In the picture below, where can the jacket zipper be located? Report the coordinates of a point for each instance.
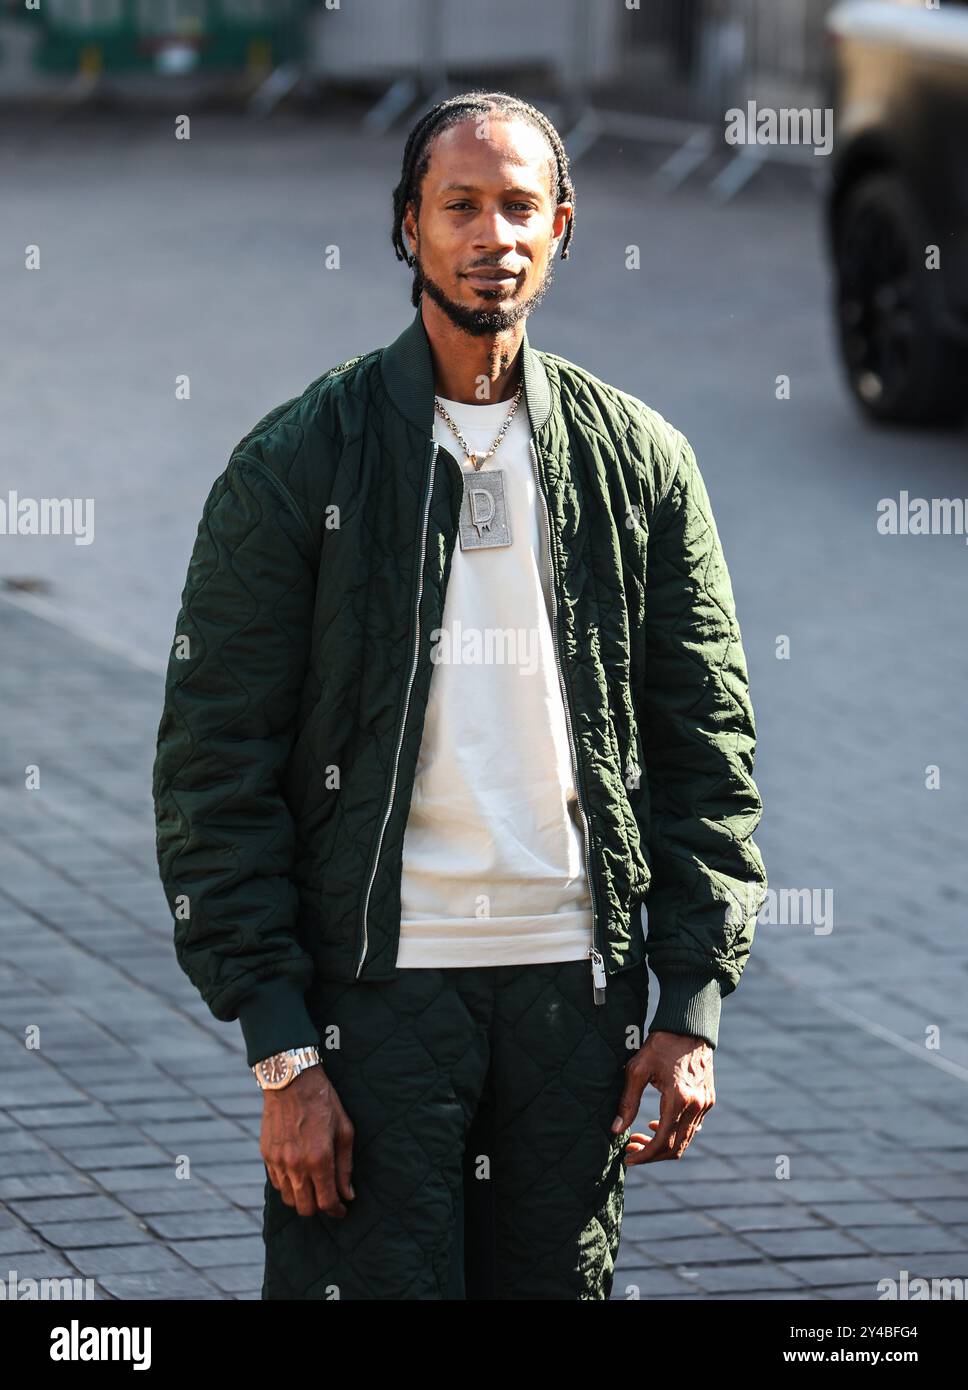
(599, 980)
(406, 706)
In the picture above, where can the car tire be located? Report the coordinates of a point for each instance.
(901, 365)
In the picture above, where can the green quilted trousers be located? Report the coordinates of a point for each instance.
(484, 1164)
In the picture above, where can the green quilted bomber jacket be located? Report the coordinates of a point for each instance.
(300, 670)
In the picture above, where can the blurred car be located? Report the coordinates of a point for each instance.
(897, 209)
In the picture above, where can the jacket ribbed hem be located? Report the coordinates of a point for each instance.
(274, 1018)
(690, 1004)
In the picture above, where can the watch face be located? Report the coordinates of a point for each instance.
(275, 1070)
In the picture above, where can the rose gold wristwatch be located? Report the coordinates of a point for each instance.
(282, 1068)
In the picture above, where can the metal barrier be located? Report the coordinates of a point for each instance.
(681, 64)
(426, 48)
(781, 58)
(424, 38)
(787, 49)
(718, 55)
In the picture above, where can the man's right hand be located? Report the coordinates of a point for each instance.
(307, 1145)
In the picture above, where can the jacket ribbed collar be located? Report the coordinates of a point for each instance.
(407, 368)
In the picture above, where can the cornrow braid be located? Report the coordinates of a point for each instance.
(450, 112)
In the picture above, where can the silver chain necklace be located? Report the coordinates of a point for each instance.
(484, 520)
(475, 459)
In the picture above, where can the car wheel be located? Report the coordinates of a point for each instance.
(900, 364)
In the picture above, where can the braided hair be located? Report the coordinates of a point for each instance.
(416, 160)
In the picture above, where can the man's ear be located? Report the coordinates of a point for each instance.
(408, 239)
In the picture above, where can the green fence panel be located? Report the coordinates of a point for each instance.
(169, 36)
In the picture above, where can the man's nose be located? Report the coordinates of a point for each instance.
(494, 230)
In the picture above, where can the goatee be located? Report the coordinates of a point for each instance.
(480, 322)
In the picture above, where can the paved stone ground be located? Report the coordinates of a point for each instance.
(165, 267)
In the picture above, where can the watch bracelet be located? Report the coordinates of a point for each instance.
(304, 1057)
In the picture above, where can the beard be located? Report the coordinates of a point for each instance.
(480, 322)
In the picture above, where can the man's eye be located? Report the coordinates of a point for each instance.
(459, 207)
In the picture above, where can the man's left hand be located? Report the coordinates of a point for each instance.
(680, 1067)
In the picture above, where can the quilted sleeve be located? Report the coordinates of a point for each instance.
(224, 834)
(698, 734)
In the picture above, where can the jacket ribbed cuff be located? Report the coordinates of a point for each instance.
(274, 1018)
(690, 1004)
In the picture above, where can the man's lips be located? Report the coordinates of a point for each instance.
(491, 277)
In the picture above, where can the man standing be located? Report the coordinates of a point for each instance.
(457, 687)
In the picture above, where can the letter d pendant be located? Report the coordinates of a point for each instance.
(484, 520)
